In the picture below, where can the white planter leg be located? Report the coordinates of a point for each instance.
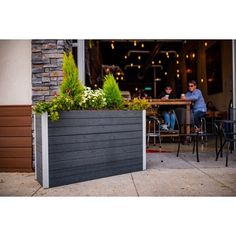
(45, 164)
(144, 141)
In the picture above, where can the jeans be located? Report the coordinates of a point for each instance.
(197, 118)
(169, 118)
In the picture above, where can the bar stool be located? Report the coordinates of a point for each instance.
(203, 129)
(153, 130)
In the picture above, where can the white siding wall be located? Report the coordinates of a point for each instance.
(15, 72)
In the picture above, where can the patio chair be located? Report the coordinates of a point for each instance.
(153, 130)
(227, 129)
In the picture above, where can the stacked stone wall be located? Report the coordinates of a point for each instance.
(47, 75)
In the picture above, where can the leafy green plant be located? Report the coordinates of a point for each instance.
(138, 104)
(71, 85)
(112, 93)
(53, 107)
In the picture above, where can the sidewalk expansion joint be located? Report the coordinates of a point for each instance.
(36, 191)
(134, 185)
(211, 177)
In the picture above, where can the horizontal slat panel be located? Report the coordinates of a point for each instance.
(16, 110)
(15, 121)
(94, 145)
(14, 163)
(15, 152)
(92, 172)
(98, 114)
(109, 152)
(94, 160)
(92, 138)
(94, 122)
(15, 131)
(92, 129)
(15, 142)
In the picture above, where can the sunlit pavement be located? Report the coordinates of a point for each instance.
(166, 175)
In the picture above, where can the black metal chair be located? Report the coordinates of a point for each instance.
(227, 130)
(153, 130)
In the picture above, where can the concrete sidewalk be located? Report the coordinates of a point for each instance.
(166, 175)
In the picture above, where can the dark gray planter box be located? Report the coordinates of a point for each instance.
(85, 145)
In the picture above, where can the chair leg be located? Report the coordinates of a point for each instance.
(220, 150)
(159, 141)
(227, 154)
(216, 145)
(148, 141)
(197, 147)
(194, 143)
(177, 154)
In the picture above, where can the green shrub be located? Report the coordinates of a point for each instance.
(53, 107)
(138, 104)
(112, 93)
(71, 85)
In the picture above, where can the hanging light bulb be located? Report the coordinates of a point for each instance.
(186, 55)
(153, 62)
(193, 55)
(112, 46)
(205, 44)
(142, 45)
(135, 43)
(165, 73)
(131, 64)
(139, 57)
(139, 66)
(125, 57)
(177, 62)
(159, 61)
(177, 70)
(177, 55)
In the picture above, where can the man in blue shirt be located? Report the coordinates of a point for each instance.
(199, 106)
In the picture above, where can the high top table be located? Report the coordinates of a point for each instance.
(175, 102)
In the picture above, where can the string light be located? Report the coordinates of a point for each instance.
(165, 73)
(205, 44)
(131, 64)
(142, 45)
(139, 57)
(177, 75)
(193, 55)
(177, 55)
(177, 62)
(112, 45)
(177, 70)
(139, 66)
(186, 55)
(159, 61)
(125, 57)
(135, 43)
(153, 62)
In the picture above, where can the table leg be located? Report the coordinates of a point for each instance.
(188, 119)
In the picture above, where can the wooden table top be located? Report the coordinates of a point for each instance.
(169, 102)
